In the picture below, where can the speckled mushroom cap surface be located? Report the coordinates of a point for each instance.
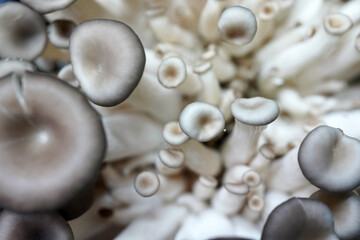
(52, 142)
(108, 59)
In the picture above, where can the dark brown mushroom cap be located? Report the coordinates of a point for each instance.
(108, 59)
(22, 31)
(330, 160)
(33, 226)
(300, 219)
(52, 143)
(46, 6)
(346, 211)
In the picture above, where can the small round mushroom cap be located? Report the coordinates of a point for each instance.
(108, 59)
(171, 72)
(172, 158)
(173, 134)
(300, 219)
(31, 226)
(147, 183)
(52, 143)
(256, 111)
(21, 37)
(201, 121)
(337, 23)
(346, 210)
(46, 6)
(237, 25)
(237, 188)
(59, 32)
(330, 160)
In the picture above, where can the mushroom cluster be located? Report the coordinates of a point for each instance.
(180, 119)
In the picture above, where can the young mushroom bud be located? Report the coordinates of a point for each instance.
(108, 60)
(346, 210)
(300, 219)
(39, 226)
(330, 160)
(47, 157)
(201, 121)
(147, 183)
(170, 161)
(23, 37)
(237, 25)
(172, 72)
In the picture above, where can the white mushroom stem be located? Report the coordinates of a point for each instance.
(149, 97)
(253, 208)
(273, 198)
(345, 120)
(111, 176)
(147, 137)
(186, 13)
(192, 84)
(228, 97)
(192, 203)
(292, 103)
(211, 91)
(164, 49)
(166, 31)
(349, 9)
(67, 74)
(242, 174)
(171, 187)
(204, 187)
(227, 202)
(245, 228)
(209, 17)
(262, 160)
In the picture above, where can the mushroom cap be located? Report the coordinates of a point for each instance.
(39, 226)
(147, 183)
(18, 66)
(300, 219)
(201, 121)
(330, 160)
(172, 72)
(237, 25)
(173, 134)
(346, 210)
(337, 23)
(59, 32)
(108, 59)
(172, 158)
(52, 143)
(256, 111)
(22, 37)
(46, 6)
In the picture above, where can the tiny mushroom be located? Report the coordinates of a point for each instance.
(59, 32)
(47, 157)
(45, 6)
(172, 72)
(201, 121)
(108, 68)
(147, 183)
(237, 25)
(330, 160)
(23, 37)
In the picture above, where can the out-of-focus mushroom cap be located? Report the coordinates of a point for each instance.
(18, 66)
(300, 219)
(173, 134)
(147, 183)
(39, 226)
(59, 32)
(23, 31)
(46, 6)
(172, 158)
(51, 150)
(108, 60)
(256, 111)
(172, 72)
(337, 23)
(330, 160)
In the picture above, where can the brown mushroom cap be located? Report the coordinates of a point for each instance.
(52, 143)
(300, 219)
(108, 60)
(39, 226)
(23, 37)
(46, 6)
(330, 160)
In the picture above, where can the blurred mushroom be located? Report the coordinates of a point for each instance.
(47, 156)
(108, 60)
(23, 37)
(45, 6)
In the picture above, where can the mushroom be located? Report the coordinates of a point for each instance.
(47, 157)
(146, 183)
(346, 209)
(300, 218)
(59, 32)
(172, 72)
(10, 65)
(44, 6)
(22, 37)
(40, 226)
(201, 121)
(330, 160)
(108, 68)
(204, 187)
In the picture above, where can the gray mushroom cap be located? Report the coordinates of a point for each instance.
(52, 143)
(108, 60)
(46, 6)
(39, 226)
(300, 219)
(330, 160)
(22, 31)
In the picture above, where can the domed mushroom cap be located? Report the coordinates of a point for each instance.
(46, 6)
(52, 143)
(256, 111)
(330, 160)
(39, 226)
(108, 60)
(300, 219)
(23, 37)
